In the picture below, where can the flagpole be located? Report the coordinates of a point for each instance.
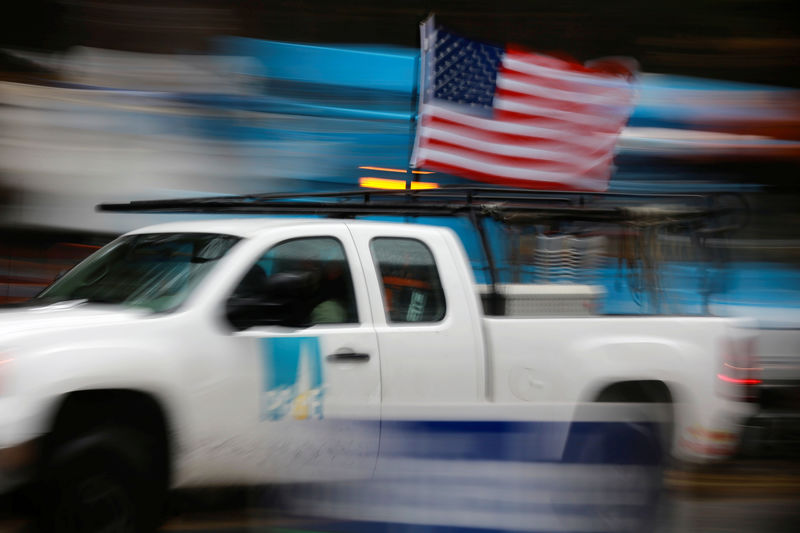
(426, 39)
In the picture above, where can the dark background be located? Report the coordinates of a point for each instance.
(741, 40)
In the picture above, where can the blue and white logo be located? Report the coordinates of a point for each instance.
(293, 381)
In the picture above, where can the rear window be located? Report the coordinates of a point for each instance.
(412, 291)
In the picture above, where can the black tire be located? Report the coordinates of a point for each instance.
(622, 461)
(658, 408)
(102, 481)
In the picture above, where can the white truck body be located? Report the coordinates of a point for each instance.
(214, 386)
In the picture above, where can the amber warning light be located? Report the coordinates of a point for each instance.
(383, 183)
(372, 182)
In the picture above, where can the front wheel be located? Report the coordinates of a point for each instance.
(102, 481)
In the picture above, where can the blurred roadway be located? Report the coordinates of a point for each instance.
(749, 496)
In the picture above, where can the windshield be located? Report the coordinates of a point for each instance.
(155, 271)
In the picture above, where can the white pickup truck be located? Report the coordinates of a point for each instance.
(217, 352)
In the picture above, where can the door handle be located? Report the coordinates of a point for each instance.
(348, 356)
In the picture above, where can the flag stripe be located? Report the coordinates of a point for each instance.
(600, 122)
(535, 86)
(543, 149)
(577, 144)
(511, 106)
(548, 163)
(508, 167)
(533, 128)
(568, 183)
(452, 164)
(597, 110)
(536, 65)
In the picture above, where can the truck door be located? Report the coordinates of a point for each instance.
(426, 318)
(302, 403)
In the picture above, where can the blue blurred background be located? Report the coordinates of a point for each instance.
(139, 99)
(134, 100)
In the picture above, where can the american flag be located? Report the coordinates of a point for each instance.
(508, 116)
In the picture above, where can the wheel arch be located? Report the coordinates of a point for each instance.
(634, 390)
(80, 411)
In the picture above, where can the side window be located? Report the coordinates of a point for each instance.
(412, 291)
(330, 299)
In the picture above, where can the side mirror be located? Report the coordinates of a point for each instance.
(279, 300)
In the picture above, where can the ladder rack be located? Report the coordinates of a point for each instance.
(704, 214)
(502, 204)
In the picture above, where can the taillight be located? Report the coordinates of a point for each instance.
(740, 374)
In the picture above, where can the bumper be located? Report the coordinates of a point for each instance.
(19, 440)
(774, 431)
(774, 434)
(715, 438)
(17, 464)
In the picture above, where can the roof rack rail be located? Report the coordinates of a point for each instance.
(504, 204)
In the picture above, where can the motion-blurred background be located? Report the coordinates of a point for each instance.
(135, 99)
